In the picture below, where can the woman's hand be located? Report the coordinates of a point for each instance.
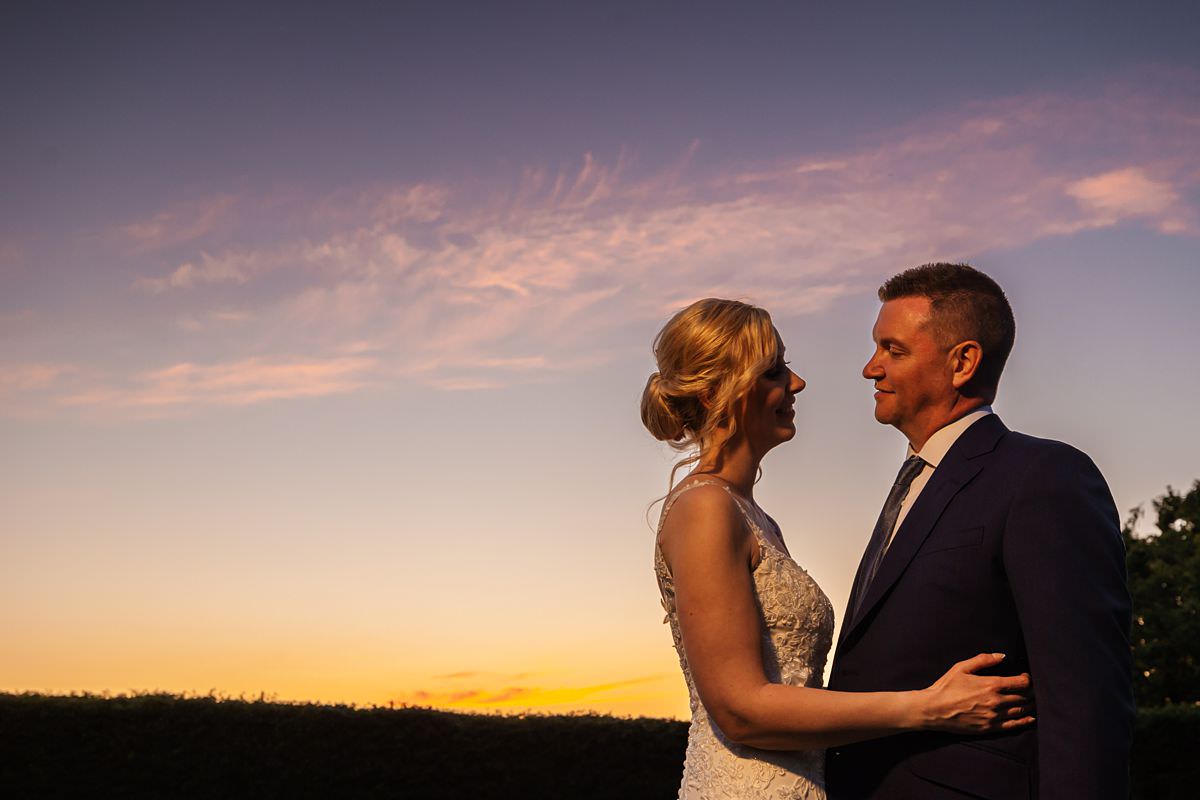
(963, 702)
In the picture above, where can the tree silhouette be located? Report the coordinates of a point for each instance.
(1164, 583)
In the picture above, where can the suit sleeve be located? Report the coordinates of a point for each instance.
(1066, 566)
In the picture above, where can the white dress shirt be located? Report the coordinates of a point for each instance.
(932, 453)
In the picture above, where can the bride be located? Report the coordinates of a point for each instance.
(751, 628)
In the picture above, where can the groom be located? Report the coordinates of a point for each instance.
(990, 541)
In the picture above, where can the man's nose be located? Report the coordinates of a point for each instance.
(871, 370)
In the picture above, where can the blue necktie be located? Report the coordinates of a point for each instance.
(873, 557)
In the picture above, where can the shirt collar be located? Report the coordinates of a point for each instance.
(940, 442)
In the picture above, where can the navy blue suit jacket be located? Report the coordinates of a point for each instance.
(1013, 546)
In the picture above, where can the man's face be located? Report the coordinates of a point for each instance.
(912, 373)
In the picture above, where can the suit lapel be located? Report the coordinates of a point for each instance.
(961, 464)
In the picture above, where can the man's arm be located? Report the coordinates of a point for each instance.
(1066, 565)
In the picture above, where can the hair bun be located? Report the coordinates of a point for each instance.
(658, 413)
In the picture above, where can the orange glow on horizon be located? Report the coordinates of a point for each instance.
(652, 696)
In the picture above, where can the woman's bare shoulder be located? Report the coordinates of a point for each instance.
(702, 519)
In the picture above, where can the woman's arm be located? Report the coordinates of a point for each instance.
(709, 551)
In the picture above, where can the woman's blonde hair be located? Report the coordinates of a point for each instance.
(709, 355)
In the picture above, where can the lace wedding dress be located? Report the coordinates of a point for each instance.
(797, 631)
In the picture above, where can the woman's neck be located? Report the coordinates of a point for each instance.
(737, 466)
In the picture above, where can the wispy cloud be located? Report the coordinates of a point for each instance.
(471, 286)
(515, 696)
(184, 222)
(205, 269)
(35, 377)
(245, 382)
(1130, 192)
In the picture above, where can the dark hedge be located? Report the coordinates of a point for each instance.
(1166, 753)
(164, 746)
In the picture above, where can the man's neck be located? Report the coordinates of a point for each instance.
(919, 435)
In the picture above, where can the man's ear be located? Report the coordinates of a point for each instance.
(965, 358)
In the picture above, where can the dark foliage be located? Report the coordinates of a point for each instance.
(1165, 743)
(164, 746)
(1164, 583)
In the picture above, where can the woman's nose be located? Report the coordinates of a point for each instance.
(798, 384)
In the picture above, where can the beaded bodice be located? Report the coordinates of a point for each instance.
(797, 631)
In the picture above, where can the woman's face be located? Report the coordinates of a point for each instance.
(769, 413)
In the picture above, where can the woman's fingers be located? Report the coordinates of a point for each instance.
(981, 661)
(1016, 702)
(993, 702)
(1014, 699)
(1017, 723)
(1016, 683)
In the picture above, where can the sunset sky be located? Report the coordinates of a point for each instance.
(323, 327)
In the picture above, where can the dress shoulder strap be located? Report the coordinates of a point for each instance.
(677, 493)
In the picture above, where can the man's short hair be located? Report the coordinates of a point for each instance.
(965, 304)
